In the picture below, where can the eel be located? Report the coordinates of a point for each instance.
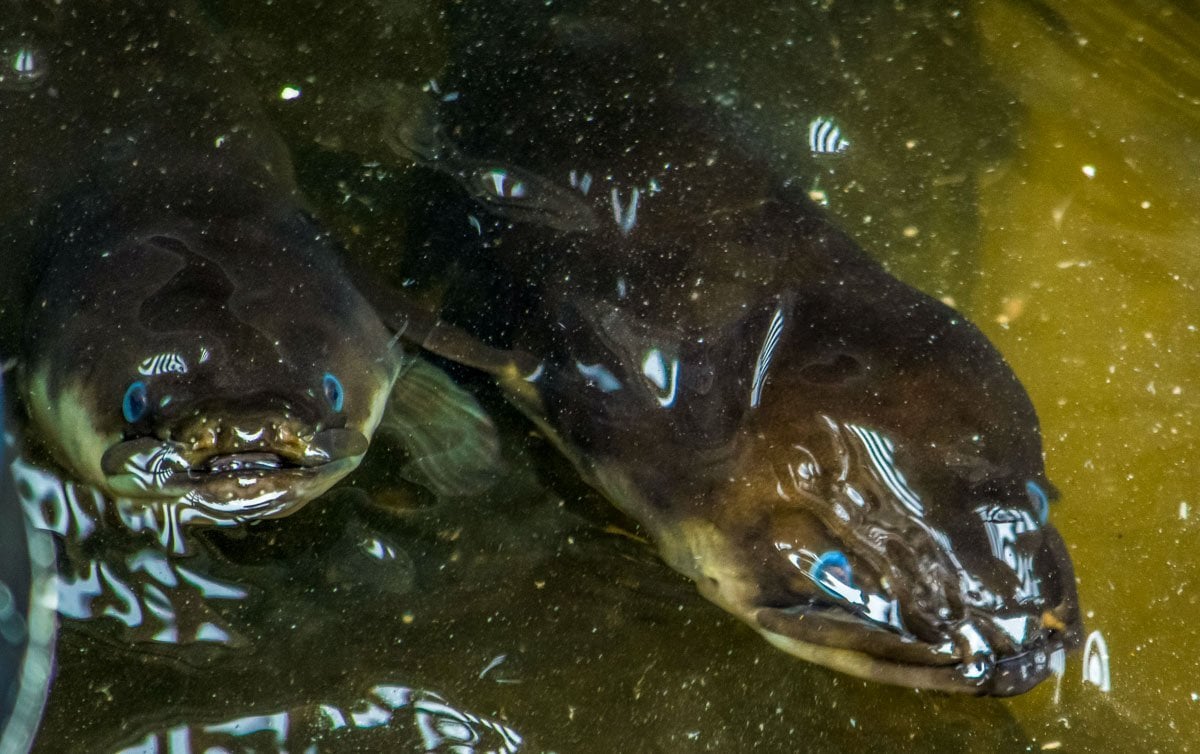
(190, 336)
(843, 462)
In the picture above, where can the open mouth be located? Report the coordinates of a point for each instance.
(238, 463)
(255, 464)
(257, 481)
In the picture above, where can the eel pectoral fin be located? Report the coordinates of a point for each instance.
(451, 444)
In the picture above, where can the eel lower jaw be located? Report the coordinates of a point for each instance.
(253, 482)
(845, 643)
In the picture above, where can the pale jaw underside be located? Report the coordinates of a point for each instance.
(902, 661)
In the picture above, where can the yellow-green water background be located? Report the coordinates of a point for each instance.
(1089, 282)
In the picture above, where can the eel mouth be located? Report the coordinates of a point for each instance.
(973, 629)
(242, 476)
(241, 463)
(968, 662)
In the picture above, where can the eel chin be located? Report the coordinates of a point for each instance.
(266, 471)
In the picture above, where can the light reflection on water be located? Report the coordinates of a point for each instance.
(144, 582)
(147, 589)
(440, 727)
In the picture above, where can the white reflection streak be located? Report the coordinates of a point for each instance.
(1058, 665)
(824, 136)
(1095, 662)
(54, 505)
(336, 719)
(211, 588)
(1004, 528)
(880, 452)
(163, 363)
(441, 727)
(75, 595)
(765, 353)
(625, 217)
(498, 178)
(582, 183)
(151, 469)
(599, 375)
(655, 368)
(373, 716)
(244, 726)
(495, 663)
(874, 606)
(24, 62)
(131, 616)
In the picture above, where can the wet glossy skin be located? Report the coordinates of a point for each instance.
(191, 335)
(844, 463)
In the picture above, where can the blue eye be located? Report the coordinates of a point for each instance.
(832, 566)
(136, 402)
(333, 391)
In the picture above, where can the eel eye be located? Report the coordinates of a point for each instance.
(136, 402)
(333, 391)
(832, 569)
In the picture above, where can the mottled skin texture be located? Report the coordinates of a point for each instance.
(159, 237)
(881, 426)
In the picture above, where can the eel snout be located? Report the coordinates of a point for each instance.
(909, 611)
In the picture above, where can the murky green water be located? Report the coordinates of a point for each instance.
(1035, 163)
(1087, 257)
